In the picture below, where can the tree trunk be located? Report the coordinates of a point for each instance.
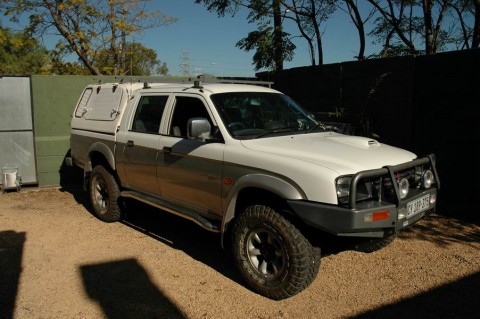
(427, 18)
(59, 25)
(357, 20)
(476, 28)
(277, 35)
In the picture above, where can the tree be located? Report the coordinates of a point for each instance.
(465, 11)
(351, 7)
(476, 28)
(385, 33)
(264, 44)
(399, 20)
(394, 20)
(432, 27)
(60, 65)
(139, 60)
(272, 46)
(277, 45)
(162, 69)
(309, 17)
(21, 54)
(89, 26)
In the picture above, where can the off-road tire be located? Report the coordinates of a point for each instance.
(274, 258)
(104, 195)
(316, 258)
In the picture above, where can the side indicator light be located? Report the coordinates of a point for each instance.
(373, 217)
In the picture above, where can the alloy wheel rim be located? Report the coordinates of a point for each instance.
(266, 253)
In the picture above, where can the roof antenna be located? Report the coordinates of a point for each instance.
(198, 83)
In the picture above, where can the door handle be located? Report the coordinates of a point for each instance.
(130, 143)
(167, 149)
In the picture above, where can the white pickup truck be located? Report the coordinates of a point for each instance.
(248, 162)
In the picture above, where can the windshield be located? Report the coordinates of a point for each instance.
(259, 114)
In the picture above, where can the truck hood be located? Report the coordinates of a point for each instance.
(344, 154)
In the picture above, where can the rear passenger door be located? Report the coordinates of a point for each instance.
(140, 145)
(190, 171)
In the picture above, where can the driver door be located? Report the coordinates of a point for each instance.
(190, 171)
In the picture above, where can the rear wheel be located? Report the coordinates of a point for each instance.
(104, 195)
(275, 259)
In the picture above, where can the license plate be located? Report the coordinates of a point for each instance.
(418, 205)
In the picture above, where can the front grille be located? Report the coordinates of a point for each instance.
(381, 184)
(384, 188)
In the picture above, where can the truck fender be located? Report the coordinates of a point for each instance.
(102, 149)
(281, 187)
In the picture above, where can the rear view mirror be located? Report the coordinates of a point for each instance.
(198, 128)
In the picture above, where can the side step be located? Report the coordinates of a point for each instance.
(196, 218)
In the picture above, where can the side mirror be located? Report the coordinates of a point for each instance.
(198, 128)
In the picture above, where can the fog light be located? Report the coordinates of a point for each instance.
(433, 198)
(402, 213)
(403, 186)
(427, 179)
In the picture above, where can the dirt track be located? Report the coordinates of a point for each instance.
(59, 261)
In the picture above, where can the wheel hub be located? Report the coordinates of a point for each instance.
(268, 252)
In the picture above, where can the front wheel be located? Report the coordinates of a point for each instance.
(275, 259)
(104, 195)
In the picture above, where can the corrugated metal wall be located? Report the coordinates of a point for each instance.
(17, 149)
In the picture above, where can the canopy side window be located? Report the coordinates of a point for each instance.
(82, 104)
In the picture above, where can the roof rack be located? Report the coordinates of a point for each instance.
(200, 78)
(253, 82)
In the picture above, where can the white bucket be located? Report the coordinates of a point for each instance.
(10, 180)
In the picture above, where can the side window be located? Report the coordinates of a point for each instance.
(185, 109)
(149, 114)
(82, 104)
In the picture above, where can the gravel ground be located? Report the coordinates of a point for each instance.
(58, 261)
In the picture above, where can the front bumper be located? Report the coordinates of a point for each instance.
(357, 222)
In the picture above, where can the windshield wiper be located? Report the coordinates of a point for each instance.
(280, 130)
(315, 127)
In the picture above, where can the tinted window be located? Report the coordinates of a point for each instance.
(185, 109)
(149, 114)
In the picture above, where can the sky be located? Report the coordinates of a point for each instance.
(207, 43)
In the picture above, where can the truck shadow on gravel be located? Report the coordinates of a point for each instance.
(181, 234)
(443, 231)
(171, 230)
(11, 253)
(458, 299)
(123, 289)
(200, 244)
(204, 247)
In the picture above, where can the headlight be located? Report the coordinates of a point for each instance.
(343, 188)
(403, 186)
(427, 179)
